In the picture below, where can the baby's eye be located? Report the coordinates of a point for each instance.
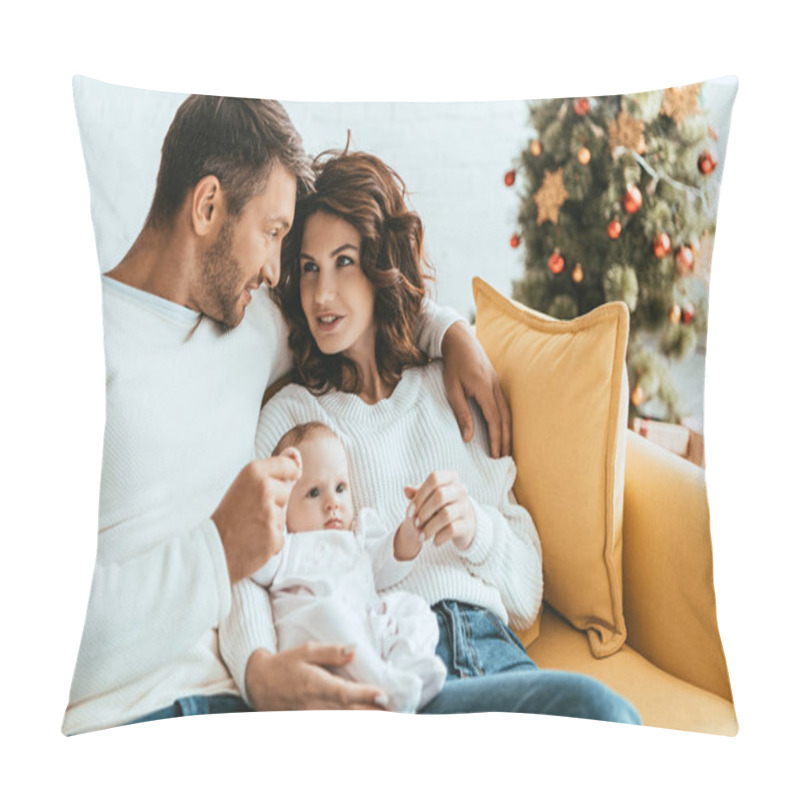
(342, 487)
(313, 492)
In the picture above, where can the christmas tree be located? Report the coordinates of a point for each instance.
(618, 203)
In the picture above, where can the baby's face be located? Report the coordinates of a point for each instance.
(321, 498)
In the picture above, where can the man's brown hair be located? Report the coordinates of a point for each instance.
(238, 140)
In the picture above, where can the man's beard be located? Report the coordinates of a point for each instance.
(219, 273)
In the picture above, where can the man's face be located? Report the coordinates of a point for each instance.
(247, 250)
(321, 498)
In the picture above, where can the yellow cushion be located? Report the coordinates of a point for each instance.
(661, 699)
(566, 383)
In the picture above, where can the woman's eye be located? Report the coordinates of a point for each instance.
(308, 266)
(344, 261)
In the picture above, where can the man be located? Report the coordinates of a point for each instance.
(192, 340)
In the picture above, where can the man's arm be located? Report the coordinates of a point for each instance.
(468, 373)
(298, 678)
(147, 609)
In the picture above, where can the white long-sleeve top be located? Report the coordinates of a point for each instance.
(394, 443)
(183, 397)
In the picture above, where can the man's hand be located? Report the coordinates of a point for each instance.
(298, 679)
(468, 373)
(441, 510)
(251, 517)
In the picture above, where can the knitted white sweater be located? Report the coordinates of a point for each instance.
(395, 443)
(182, 403)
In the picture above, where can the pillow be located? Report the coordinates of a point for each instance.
(161, 589)
(566, 384)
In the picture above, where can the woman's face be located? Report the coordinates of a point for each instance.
(337, 298)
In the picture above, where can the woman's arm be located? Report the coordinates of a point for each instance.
(506, 554)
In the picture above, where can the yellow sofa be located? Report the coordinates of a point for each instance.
(672, 666)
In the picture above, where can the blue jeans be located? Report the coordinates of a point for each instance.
(197, 704)
(489, 670)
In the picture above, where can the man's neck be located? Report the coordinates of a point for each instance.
(159, 264)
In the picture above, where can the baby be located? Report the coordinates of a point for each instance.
(324, 582)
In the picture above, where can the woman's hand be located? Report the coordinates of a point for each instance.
(468, 373)
(441, 510)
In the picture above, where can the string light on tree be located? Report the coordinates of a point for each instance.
(577, 273)
(584, 156)
(536, 148)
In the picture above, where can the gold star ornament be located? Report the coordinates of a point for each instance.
(681, 102)
(551, 196)
(627, 131)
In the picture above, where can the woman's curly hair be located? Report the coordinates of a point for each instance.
(360, 189)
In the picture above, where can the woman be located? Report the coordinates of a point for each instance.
(352, 287)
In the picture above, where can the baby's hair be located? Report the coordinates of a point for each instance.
(300, 433)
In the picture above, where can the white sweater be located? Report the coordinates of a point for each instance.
(182, 403)
(395, 443)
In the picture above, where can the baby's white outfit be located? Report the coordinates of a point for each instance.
(323, 587)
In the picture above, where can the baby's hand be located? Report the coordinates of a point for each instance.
(408, 539)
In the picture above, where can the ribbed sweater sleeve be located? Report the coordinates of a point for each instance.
(176, 590)
(433, 324)
(248, 628)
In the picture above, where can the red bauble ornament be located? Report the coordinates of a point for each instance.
(581, 106)
(510, 177)
(632, 200)
(706, 163)
(684, 260)
(515, 240)
(662, 245)
(687, 315)
(556, 262)
(614, 229)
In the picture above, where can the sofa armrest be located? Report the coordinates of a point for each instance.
(668, 589)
